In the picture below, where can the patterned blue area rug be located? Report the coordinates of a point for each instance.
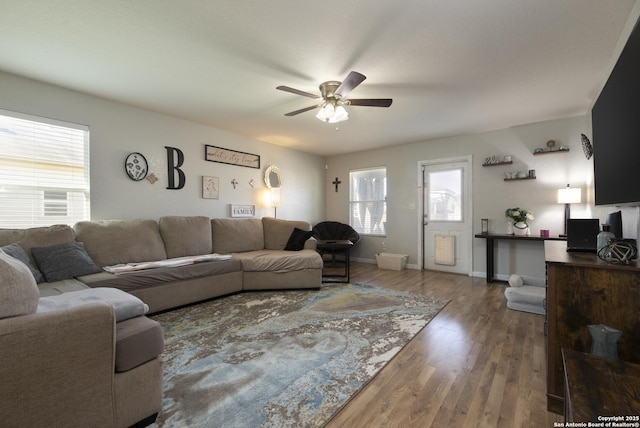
(282, 358)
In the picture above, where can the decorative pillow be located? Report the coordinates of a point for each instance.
(64, 261)
(18, 288)
(297, 239)
(16, 251)
(515, 280)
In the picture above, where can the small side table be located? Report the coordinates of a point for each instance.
(334, 247)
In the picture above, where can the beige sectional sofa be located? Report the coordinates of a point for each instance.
(49, 358)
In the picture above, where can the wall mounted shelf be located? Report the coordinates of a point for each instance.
(546, 152)
(498, 163)
(518, 179)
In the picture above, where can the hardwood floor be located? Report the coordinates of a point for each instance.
(476, 364)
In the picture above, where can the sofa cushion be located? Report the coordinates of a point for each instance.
(158, 277)
(111, 242)
(279, 261)
(234, 236)
(37, 237)
(186, 236)
(64, 261)
(60, 287)
(297, 239)
(125, 306)
(138, 340)
(277, 232)
(18, 288)
(16, 251)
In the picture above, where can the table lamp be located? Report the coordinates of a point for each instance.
(567, 196)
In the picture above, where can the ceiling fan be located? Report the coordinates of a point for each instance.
(334, 98)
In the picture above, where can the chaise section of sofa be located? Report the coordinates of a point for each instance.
(266, 265)
(66, 364)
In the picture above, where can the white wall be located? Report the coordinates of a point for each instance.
(117, 130)
(491, 194)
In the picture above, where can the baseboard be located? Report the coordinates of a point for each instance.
(373, 262)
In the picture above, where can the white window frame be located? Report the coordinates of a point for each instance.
(42, 157)
(368, 204)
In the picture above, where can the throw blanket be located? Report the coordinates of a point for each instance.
(178, 261)
(125, 305)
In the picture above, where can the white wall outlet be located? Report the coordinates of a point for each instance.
(384, 245)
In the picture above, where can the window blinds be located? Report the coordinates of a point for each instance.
(368, 201)
(44, 171)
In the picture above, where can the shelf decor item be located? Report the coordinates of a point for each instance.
(520, 218)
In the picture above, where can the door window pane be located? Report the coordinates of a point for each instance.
(445, 195)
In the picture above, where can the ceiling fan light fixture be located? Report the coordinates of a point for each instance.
(331, 113)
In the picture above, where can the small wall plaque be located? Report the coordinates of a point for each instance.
(243, 210)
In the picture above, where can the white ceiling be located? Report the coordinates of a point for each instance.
(452, 67)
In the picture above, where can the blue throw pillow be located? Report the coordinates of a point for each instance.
(64, 261)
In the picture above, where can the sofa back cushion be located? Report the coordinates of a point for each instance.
(277, 232)
(111, 242)
(236, 236)
(37, 237)
(186, 236)
(18, 288)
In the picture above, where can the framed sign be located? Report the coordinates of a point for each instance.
(231, 157)
(243, 210)
(210, 187)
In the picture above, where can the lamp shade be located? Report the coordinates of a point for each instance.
(570, 195)
(275, 197)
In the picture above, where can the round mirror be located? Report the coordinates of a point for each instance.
(273, 177)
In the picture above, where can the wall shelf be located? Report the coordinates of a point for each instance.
(546, 152)
(497, 163)
(518, 179)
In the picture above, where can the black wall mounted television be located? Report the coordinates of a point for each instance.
(616, 130)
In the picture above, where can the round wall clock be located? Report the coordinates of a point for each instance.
(136, 166)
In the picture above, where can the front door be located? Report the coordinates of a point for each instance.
(446, 215)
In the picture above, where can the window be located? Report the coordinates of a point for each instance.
(368, 201)
(44, 171)
(445, 195)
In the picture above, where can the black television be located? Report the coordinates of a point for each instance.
(616, 130)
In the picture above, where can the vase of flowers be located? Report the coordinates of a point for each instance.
(520, 217)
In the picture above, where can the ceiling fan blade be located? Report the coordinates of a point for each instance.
(370, 102)
(302, 110)
(298, 92)
(349, 84)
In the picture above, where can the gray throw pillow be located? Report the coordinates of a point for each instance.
(64, 261)
(18, 288)
(16, 251)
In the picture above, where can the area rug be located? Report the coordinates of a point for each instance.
(288, 358)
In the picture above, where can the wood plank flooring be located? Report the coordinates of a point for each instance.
(476, 364)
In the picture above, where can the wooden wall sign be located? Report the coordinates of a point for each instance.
(231, 157)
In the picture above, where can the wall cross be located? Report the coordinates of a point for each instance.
(336, 182)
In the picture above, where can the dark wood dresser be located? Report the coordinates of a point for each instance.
(584, 290)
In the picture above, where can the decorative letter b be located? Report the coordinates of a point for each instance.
(173, 168)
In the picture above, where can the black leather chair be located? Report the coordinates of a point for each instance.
(334, 231)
